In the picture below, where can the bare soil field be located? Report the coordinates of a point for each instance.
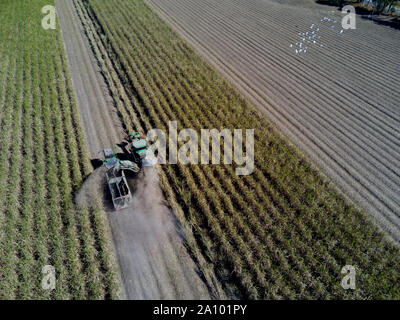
(339, 102)
(153, 260)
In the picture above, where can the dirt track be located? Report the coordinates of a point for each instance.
(339, 103)
(153, 261)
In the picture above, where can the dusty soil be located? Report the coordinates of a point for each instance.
(153, 260)
(339, 102)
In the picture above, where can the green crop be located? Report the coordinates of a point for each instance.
(43, 164)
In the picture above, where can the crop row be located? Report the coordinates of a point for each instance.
(44, 162)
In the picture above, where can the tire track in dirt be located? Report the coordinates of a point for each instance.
(153, 260)
(350, 131)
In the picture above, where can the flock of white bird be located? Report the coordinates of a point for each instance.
(312, 37)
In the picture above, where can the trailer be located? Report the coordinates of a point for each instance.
(117, 184)
(119, 189)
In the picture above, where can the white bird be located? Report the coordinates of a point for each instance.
(341, 31)
(297, 51)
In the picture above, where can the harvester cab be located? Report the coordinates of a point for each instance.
(108, 155)
(138, 148)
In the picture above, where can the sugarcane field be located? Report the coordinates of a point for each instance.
(191, 150)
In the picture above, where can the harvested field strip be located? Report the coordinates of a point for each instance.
(254, 44)
(141, 283)
(283, 34)
(44, 162)
(283, 231)
(351, 129)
